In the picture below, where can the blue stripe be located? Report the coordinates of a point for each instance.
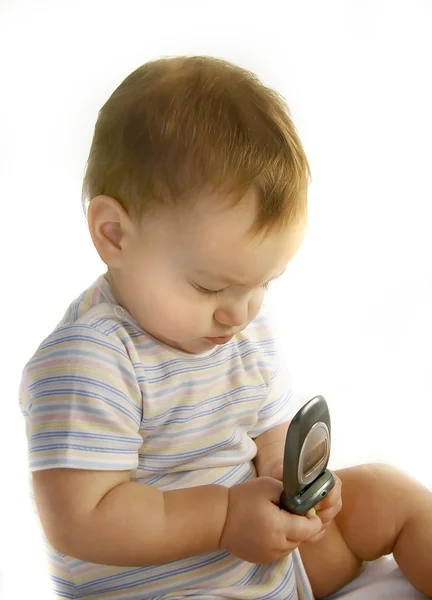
(81, 448)
(164, 572)
(190, 408)
(40, 409)
(66, 462)
(177, 366)
(225, 418)
(94, 337)
(92, 383)
(82, 434)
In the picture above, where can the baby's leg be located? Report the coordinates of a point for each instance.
(383, 511)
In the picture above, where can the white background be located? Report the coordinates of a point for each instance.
(354, 308)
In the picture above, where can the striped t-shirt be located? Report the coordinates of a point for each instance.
(100, 393)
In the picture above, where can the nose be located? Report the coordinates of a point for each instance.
(233, 315)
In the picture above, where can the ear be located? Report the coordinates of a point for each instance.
(110, 226)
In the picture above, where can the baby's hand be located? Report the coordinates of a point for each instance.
(256, 529)
(326, 510)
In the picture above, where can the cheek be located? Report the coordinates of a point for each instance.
(175, 316)
(255, 304)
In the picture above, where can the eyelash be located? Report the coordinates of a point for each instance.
(265, 286)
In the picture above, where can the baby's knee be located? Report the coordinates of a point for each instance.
(375, 475)
(388, 479)
(384, 488)
(382, 477)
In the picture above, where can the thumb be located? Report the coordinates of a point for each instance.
(300, 528)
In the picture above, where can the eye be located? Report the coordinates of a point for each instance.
(203, 290)
(206, 291)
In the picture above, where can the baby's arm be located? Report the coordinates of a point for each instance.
(102, 517)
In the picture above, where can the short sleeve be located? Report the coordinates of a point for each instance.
(82, 402)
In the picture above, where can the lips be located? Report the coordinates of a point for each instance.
(220, 340)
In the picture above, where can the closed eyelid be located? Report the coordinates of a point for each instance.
(205, 290)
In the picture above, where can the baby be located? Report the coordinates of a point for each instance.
(156, 412)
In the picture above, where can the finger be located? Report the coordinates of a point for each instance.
(332, 497)
(298, 529)
(319, 535)
(316, 538)
(329, 513)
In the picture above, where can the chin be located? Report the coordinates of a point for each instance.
(192, 346)
(195, 347)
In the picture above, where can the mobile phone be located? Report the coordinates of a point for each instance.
(306, 479)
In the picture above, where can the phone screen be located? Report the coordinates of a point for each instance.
(314, 457)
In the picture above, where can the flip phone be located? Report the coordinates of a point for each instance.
(306, 479)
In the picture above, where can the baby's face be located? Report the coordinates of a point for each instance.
(187, 278)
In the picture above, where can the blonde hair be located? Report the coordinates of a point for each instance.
(176, 125)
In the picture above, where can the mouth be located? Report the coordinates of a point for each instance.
(219, 340)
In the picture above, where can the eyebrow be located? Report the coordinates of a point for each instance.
(230, 280)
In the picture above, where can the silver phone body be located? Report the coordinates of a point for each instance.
(306, 479)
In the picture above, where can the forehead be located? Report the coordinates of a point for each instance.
(215, 236)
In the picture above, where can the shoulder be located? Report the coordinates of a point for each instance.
(81, 360)
(93, 319)
(93, 334)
